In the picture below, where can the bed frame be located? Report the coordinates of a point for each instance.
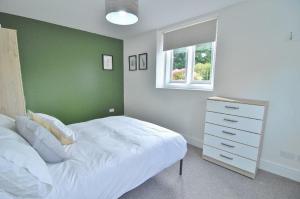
(180, 167)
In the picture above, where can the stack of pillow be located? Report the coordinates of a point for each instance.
(26, 146)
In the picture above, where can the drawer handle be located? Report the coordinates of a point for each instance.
(232, 107)
(228, 133)
(229, 120)
(228, 145)
(224, 156)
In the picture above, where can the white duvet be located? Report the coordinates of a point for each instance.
(112, 156)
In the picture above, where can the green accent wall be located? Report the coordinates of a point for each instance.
(62, 70)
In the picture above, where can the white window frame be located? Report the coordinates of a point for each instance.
(189, 83)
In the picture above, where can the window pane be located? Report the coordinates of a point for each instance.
(203, 62)
(179, 64)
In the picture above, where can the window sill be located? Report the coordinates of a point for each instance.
(198, 87)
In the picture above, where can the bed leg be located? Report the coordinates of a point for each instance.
(180, 167)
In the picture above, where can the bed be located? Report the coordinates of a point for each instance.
(112, 156)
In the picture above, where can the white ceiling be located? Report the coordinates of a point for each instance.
(89, 15)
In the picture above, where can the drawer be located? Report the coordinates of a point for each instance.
(236, 122)
(230, 159)
(232, 147)
(244, 110)
(243, 137)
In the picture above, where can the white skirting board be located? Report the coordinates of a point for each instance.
(194, 141)
(281, 170)
(266, 165)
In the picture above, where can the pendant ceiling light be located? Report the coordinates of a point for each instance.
(122, 12)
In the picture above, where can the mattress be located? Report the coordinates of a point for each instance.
(112, 156)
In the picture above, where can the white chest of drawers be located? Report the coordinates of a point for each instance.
(233, 133)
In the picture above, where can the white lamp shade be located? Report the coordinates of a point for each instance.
(122, 12)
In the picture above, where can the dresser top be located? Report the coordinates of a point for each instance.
(241, 101)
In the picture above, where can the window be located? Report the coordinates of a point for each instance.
(190, 66)
(203, 62)
(179, 64)
(186, 57)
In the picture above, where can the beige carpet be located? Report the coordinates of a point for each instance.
(202, 179)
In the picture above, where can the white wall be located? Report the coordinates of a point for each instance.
(255, 59)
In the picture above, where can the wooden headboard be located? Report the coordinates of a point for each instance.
(12, 100)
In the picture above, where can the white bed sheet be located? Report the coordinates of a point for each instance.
(112, 156)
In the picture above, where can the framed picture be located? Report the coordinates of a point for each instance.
(107, 62)
(132, 62)
(143, 61)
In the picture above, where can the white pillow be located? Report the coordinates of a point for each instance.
(7, 122)
(22, 172)
(49, 148)
(59, 125)
(52, 125)
(8, 134)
